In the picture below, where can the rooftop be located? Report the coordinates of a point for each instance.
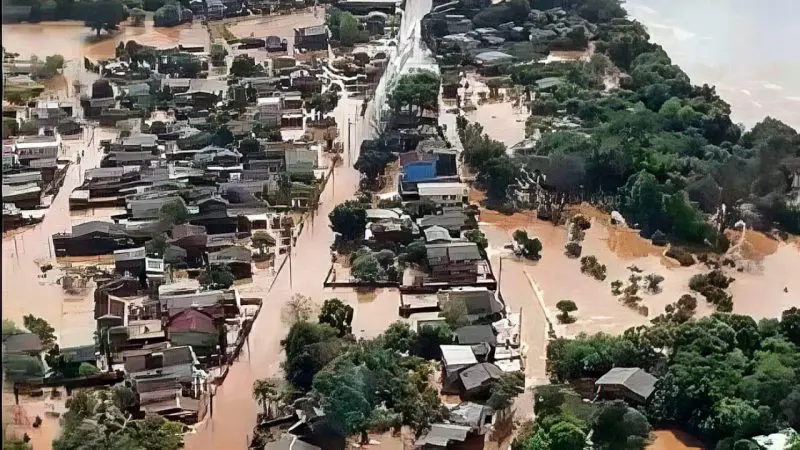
(440, 435)
(428, 189)
(457, 355)
(476, 334)
(477, 375)
(634, 379)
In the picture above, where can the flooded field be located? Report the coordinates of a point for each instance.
(278, 25)
(758, 293)
(674, 440)
(502, 119)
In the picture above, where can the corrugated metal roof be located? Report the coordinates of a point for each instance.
(429, 189)
(457, 355)
(634, 379)
(479, 374)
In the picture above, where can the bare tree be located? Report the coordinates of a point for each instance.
(299, 308)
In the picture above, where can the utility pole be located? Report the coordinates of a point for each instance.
(349, 148)
(290, 263)
(500, 274)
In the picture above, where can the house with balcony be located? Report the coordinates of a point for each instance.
(453, 262)
(29, 148)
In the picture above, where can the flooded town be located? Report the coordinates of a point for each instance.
(395, 224)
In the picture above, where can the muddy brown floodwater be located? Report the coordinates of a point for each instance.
(234, 410)
(758, 291)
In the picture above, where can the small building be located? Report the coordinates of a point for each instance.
(452, 221)
(444, 194)
(476, 380)
(202, 328)
(476, 334)
(442, 436)
(22, 344)
(457, 23)
(453, 263)
(438, 235)
(454, 359)
(479, 301)
(131, 260)
(311, 38)
(215, 10)
(629, 383)
(493, 58)
(29, 148)
(473, 415)
(275, 44)
(239, 259)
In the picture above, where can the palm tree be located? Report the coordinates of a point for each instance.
(265, 392)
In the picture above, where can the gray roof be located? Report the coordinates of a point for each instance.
(457, 355)
(313, 31)
(452, 252)
(145, 140)
(441, 434)
(452, 220)
(634, 379)
(95, 226)
(470, 414)
(477, 375)
(476, 334)
(548, 82)
(22, 343)
(85, 353)
(437, 233)
(290, 442)
(493, 57)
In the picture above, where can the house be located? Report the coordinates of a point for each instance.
(444, 194)
(238, 258)
(452, 221)
(202, 328)
(629, 383)
(75, 356)
(215, 10)
(269, 111)
(148, 206)
(473, 415)
(301, 160)
(24, 196)
(95, 238)
(476, 334)
(212, 213)
(311, 38)
(457, 23)
(29, 148)
(183, 299)
(442, 436)
(275, 44)
(375, 22)
(454, 359)
(479, 301)
(138, 143)
(130, 260)
(22, 344)
(493, 58)
(476, 380)
(461, 41)
(453, 263)
(304, 81)
(438, 235)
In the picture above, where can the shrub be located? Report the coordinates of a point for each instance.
(684, 257)
(590, 266)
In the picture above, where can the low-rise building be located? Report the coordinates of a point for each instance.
(453, 263)
(311, 38)
(28, 148)
(444, 194)
(629, 383)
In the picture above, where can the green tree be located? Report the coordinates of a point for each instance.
(366, 269)
(498, 174)
(617, 426)
(137, 17)
(505, 389)
(309, 347)
(218, 276)
(265, 392)
(347, 396)
(566, 307)
(418, 91)
(455, 313)
(244, 66)
(105, 15)
(41, 328)
(86, 369)
(349, 33)
(399, 337)
(338, 315)
(429, 340)
(567, 436)
(349, 219)
(373, 163)
(174, 212)
(478, 238)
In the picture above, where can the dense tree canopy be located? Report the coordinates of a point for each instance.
(105, 15)
(418, 92)
(349, 219)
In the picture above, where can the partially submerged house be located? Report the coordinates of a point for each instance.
(311, 38)
(628, 383)
(454, 262)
